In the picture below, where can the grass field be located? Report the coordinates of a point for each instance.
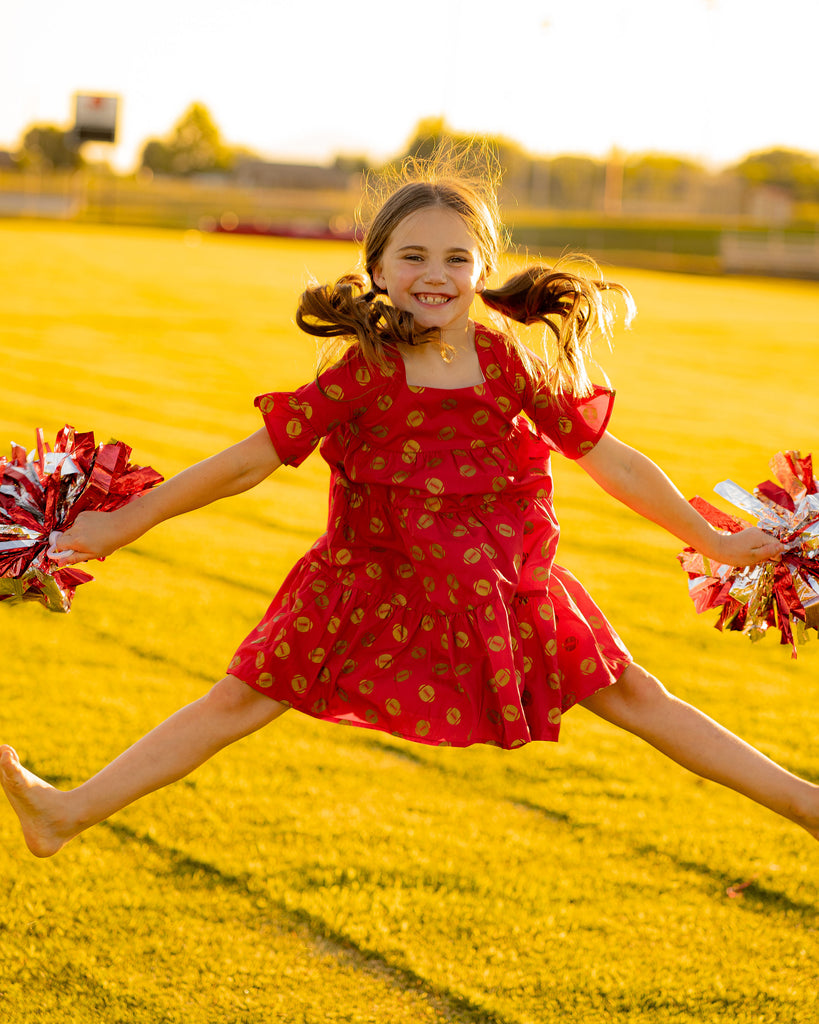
(313, 873)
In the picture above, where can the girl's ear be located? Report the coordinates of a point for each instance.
(378, 277)
(479, 287)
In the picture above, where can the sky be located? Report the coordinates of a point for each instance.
(709, 79)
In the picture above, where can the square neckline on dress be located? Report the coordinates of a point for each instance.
(460, 387)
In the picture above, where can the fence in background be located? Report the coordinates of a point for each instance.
(771, 254)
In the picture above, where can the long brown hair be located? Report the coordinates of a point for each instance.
(569, 303)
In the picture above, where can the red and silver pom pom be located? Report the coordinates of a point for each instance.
(784, 593)
(44, 492)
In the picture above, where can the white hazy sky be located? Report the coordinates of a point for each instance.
(305, 79)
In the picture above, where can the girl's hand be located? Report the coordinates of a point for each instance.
(93, 535)
(748, 547)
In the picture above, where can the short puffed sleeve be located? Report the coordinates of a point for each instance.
(571, 425)
(297, 420)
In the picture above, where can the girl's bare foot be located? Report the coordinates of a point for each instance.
(39, 806)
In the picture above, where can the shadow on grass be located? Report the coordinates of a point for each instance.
(179, 668)
(403, 754)
(544, 812)
(456, 1009)
(195, 572)
(749, 894)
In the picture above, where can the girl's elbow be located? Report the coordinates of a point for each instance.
(251, 476)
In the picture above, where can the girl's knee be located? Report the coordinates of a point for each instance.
(635, 694)
(240, 707)
(230, 696)
(636, 686)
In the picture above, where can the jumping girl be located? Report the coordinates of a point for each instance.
(431, 608)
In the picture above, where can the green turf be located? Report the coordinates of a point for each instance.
(315, 873)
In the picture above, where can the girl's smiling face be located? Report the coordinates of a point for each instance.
(431, 267)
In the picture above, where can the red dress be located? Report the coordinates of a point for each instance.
(431, 607)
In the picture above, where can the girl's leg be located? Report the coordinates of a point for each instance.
(50, 817)
(639, 703)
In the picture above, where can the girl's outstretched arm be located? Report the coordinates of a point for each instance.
(236, 469)
(639, 483)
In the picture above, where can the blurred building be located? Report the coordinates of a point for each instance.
(252, 173)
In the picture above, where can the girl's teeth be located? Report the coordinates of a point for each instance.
(434, 300)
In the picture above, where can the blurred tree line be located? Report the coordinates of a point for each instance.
(194, 146)
(583, 183)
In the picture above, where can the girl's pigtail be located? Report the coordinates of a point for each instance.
(347, 310)
(573, 310)
(341, 310)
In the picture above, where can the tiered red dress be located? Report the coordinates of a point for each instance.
(431, 607)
